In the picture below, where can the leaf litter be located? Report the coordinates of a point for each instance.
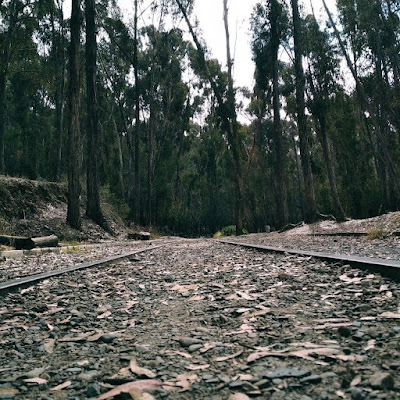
(223, 322)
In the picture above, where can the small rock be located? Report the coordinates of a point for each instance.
(358, 336)
(236, 384)
(140, 348)
(93, 390)
(362, 308)
(344, 331)
(382, 380)
(87, 376)
(287, 373)
(311, 379)
(188, 341)
(357, 393)
(106, 338)
(394, 366)
(74, 370)
(194, 347)
(263, 383)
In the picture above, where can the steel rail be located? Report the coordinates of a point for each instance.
(390, 268)
(32, 279)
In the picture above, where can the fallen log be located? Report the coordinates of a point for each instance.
(19, 242)
(139, 235)
(26, 243)
(46, 241)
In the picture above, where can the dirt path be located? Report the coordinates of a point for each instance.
(201, 320)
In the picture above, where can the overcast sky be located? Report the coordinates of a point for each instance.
(210, 16)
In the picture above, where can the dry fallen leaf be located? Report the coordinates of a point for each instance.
(356, 381)
(196, 298)
(95, 338)
(184, 381)
(179, 353)
(147, 384)
(62, 386)
(390, 315)
(79, 338)
(370, 345)
(220, 359)
(37, 381)
(193, 367)
(139, 371)
(306, 354)
(29, 289)
(48, 346)
(184, 289)
(104, 315)
(238, 396)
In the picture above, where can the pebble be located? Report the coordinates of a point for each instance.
(311, 379)
(287, 373)
(344, 331)
(194, 347)
(87, 376)
(188, 341)
(357, 393)
(359, 336)
(93, 390)
(382, 380)
(106, 338)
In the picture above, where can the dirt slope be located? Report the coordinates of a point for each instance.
(36, 208)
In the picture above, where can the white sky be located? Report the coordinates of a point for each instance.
(210, 16)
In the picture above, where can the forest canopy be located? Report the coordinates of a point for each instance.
(137, 108)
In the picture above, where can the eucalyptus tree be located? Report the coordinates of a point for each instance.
(322, 74)
(366, 27)
(270, 26)
(225, 98)
(18, 23)
(74, 165)
(310, 204)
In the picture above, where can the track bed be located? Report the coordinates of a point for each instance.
(198, 319)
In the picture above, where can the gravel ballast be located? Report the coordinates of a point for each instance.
(198, 319)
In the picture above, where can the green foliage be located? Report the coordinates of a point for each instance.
(186, 168)
(376, 233)
(118, 204)
(229, 230)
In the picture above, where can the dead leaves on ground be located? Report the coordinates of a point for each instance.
(142, 385)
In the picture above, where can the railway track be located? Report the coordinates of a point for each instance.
(20, 282)
(388, 268)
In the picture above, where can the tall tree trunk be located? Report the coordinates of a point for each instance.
(310, 212)
(337, 204)
(59, 74)
(2, 118)
(4, 63)
(74, 167)
(227, 114)
(319, 112)
(233, 131)
(137, 191)
(280, 166)
(93, 208)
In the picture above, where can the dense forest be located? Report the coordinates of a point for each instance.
(137, 110)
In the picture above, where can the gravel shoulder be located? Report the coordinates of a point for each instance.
(387, 247)
(198, 319)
